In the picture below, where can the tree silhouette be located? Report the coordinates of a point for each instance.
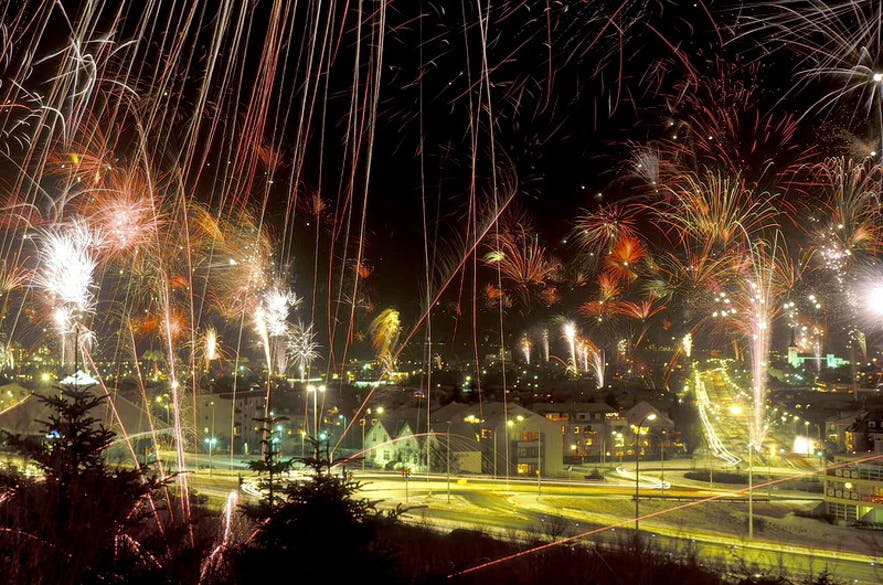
(79, 522)
(271, 464)
(321, 531)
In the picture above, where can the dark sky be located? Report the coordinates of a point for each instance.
(545, 100)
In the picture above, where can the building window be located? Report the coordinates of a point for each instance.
(527, 453)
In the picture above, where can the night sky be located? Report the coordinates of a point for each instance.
(378, 119)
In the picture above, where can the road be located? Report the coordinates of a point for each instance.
(512, 510)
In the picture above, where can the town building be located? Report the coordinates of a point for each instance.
(853, 490)
(865, 433)
(512, 440)
(838, 438)
(591, 429)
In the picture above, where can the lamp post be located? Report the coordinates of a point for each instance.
(314, 390)
(509, 425)
(495, 454)
(651, 416)
(364, 455)
(210, 443)
(448, 461)
(662, 457)
(750, 491)
(211, 448)
(539, 461)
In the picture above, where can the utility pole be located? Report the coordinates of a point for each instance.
(448, 462)
(539, 461)
(364, 455)
(750, 492)
(651, 416)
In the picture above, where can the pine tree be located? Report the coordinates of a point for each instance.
(74, 523)
(320, 531)
(271, 464)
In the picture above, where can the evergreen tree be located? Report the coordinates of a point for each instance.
(75, 523)
(321, 531)
(271, 464)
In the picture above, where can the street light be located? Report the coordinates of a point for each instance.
(210, 468)
(539, 460)
(448, 462)
(651, 417)
(510, 423)
(751, 489)
(210, 443)
(315, 392)
(662, 459)
(362, 424)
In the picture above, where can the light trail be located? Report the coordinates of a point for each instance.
(629, 521)
(714, 442)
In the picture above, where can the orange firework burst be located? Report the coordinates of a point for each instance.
(365, 270)
(623, 260)
(641, 310)
(550, 295)
(125, 218)
(608, 286)
(496, 297)
(385, 331)
(523, 262)
(174, 325)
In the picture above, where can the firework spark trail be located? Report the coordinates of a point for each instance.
(67, 276)
(145, 400)
(127, 439)
(769, 275)
(214, 557)
(837, 41)
(569, 331)
(276, 305)
(584, 535)
(303, 347)
(467, 254)
(260, 327)
(378, 36)
(525, 345)
(594, 361)
(760, 346)
(211, 346)
(174, 385)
